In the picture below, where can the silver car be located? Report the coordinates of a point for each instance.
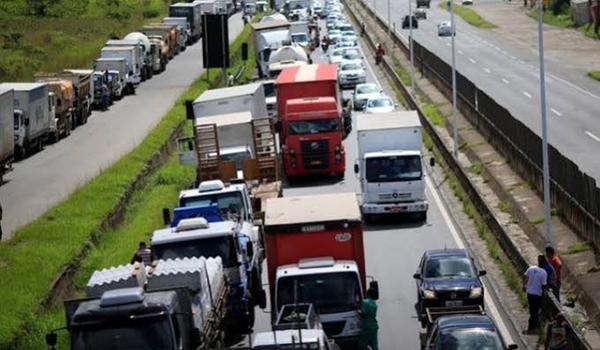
(362, 93)
(445, 29)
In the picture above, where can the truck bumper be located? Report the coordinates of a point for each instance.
(394, 208)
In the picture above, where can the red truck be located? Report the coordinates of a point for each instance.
(315, 254)
(312, 122)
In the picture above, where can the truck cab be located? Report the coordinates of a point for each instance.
(230, 199)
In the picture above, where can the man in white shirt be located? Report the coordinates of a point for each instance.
(535, 280)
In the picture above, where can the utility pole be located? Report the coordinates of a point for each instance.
(410, 47)
(454, 112)
(546, 168)
(389, 11)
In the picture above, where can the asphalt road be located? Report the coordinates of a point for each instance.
(45, 179)
(510, 75)
(393, 250)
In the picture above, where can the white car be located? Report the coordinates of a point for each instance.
(342, 43)
(349, 35)
(351, 54)
(364, 92)
(381, 104)
(351, 73)
(334, 35)
(336, 56)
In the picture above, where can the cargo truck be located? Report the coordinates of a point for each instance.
(240, 98)
(83, 85)
(287, 56)
(134, 66)
(160, 60)
(313, 123)
(315, 254)
(63, 120)
(33, 111)
(268, 36)
(176, 304)
(7, 131)
(193, 12)
(390, 164)
(140, 52)
(118, 74)
(184, 30)
(168, 30)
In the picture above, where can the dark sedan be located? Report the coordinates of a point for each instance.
(448, 278)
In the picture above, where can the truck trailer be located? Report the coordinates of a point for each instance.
(390, 164)
(268, 36)
(63, 120)
(134, 66)
(140, 52)
(240, 98)
(193, 12)
(83, 85)
(7, 131)
(315, 254)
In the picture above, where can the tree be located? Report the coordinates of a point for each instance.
(39, 8)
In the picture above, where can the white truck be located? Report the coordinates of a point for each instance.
(185, 37)
(33, 113)
(249, 97)
(286, 57)
(390, 164)
(212, 7)
(7, 131)
(174, 304)
(134, 66)
(300, 33)
(118, 70)
(142, 49)
(193, 12)
(269, 35)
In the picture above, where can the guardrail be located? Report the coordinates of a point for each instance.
(551, 306)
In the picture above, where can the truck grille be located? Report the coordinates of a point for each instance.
(315, 154)
(453, 294)
(333, 328)
(394, 196)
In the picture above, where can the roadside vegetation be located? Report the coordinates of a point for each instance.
(469, 15)
(562, 18)
(595, 74)
(50, 35)
(68, 234)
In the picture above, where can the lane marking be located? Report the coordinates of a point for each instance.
(596, 138)
(555, 112)
(487, 70)
(505, 81)
(472, 60)
(527, 94)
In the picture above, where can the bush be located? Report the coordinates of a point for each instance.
(151, 13)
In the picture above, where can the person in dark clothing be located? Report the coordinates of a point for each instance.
(144, 253)
(379, 53)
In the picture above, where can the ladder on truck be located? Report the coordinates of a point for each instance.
(207, 152)
(265, 148)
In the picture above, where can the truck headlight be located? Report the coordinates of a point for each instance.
(476, 292)
(429, 294)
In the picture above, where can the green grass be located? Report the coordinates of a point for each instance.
(39, 251)
(563, 19)
(432, 113)
(475, 168)
(579, 247)
(404, 75)
(537, 219)
(595, 74)
(69, 36)
(469, 15)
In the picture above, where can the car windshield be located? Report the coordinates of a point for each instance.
(380, 103)
(394, 168)
(269, 90)
(212, 247)
(449, 266)
(352, 55)
(469, 339)
(367, 89)
(147, 334)
(315, 126)
(334, 32)
(347, 32)
(228, 202)
(299, 38)
(328, 292)
(351, 66)
(237, 157)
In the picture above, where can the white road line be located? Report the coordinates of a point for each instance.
(489, 303)
(596, 138)
(487, 70)
(555, 112)
(472, 60)
(527, 94)
(505, 81)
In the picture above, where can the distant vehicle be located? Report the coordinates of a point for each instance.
(468, 331)
(334, 35)
(345, 44)
(467, 2)
(445, 29)
(421, 13)
(362, 93)
(337, 55)
(423, 3)
(351, 73)
(406, 22)
(349, 35)
(447, 278)
(351, 54)
(7, 131)
(380, 104)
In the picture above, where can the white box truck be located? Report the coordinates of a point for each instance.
(191, 11)
(7, 131)
(33, 114)
(390, 164)
(129, 53)
(249, 97)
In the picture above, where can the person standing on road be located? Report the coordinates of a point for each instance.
(557, 265)
(144, 253)
(369, 326)
(534, 282)
(379, 53)
(556, 334)
(105, 96)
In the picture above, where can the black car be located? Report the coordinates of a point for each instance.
(447, 278)
(406, 24)
(465, 332)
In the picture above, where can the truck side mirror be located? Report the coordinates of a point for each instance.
(374, 285)
(166, 213)
(432, 162)
(417, 276)
(51, 339)
(482, 272)
(356, 169)
(189, 109)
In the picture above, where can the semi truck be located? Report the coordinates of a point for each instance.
(173, 304)
(134, 66)
(33, 111)
(118, 71)
(7, 131)
(63, 120)
(140, 52)
(268, 36)
(315, 254)
(83, 85)
(193, 12)
(287, 56)
(151, 52)
(312, 121)
(170, 31)
(240, 98)
(390, 164)
(184, 30)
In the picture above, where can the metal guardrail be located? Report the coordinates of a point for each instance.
(552, 307)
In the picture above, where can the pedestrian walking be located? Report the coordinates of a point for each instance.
(105, 96)
(362, 29)
(144, 253)
(379, 53)
(534, 282)
(369, 326)
(556, 334)
(556, 263)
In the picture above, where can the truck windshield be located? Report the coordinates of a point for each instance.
(299, 38)
(228, 202)
(223, 246)
(394, 168)
(477, 338)
(150, 334)
(315, 126)
(328, 292)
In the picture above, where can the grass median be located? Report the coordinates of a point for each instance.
(41, 250)
(469, 15)
(562, 18)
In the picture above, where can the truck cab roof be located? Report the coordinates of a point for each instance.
(312, 209)
(228, 92)
(270, 340)
(391, 120)
(226, 119)
(212, 187)
(182, 233)
(311, 107)
(22, 86)
(391, 154)
(308, 73)
(313, 266)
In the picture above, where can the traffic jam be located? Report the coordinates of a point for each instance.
(311, 204)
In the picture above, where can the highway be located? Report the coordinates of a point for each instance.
(510, 75)
(393, 249)
(45, 179)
